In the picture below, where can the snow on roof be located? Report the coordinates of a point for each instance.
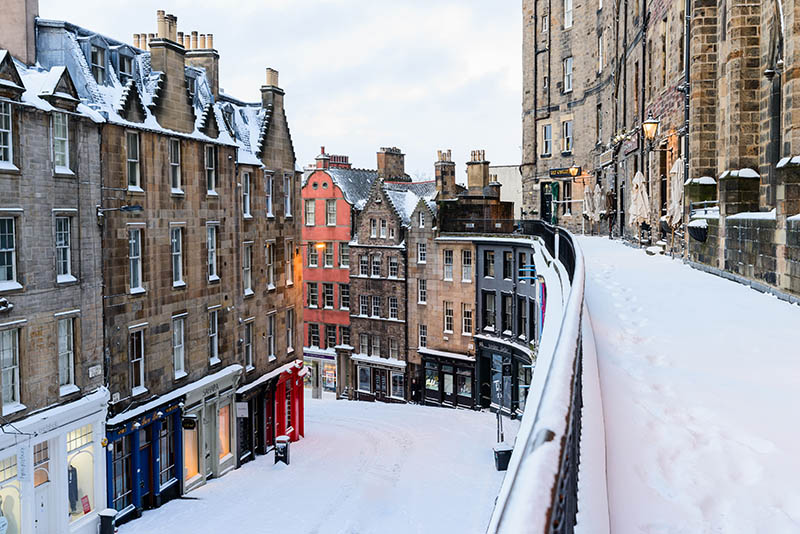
(759, 215)
(446, 354)
(698, 223)
(703, 180)
(740, 173)
(354, 183)
(378, 360)
(272, 374)
(793, 160)
(404, 196)
(794, 218)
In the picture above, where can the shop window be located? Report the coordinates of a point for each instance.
(432, 377)
(166, 448)
(10, 498)
(191, 464)
(447, 371)
(398, 385)
(523, 381)
(41, 463)
(121, 466)
(80, 472)
(224, 438)
(501, 381)
(464, 383)
(365, 379)
(288, 387)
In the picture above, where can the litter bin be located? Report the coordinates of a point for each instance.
(107, 517)
(502, 454)
(282, 449)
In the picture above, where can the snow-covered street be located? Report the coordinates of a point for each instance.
(700, 381)
(363, 468)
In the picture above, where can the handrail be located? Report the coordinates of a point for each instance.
(540, 489)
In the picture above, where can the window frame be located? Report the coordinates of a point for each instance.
(11, 335)
(449, 317)
(269, 194)
(568, 65)
(568, 14)
(179, 346)
(289, 330)
(312, 291)
(447, 264)
(344, 294)
(6, 133)
(136, 339)
(210, 157)
(212, 238)
(67, 377)
(344, 254)
(247, 344)
(174, 154)
(422, 336)
(213, 336)
(567, 133)
(247, 268)
(466, 266)
(134, 164)
(246, 184)
(63, 166)
(466, 319)
(271, 336)
(330, 203)
(269, 258)
(63, 247)
(176, 255)
(135, 260)
(547, 139)
(422, 291)
(288, 186)
(97, 63)
(310, 215)
(394, 310)
(422, 253)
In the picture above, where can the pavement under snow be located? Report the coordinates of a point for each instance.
(700, 384)
(362, 468)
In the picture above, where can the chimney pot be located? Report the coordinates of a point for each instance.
(210, 40)
(194, 40)
(202, 42)
(136, 40)
(161, 24)
(180, 38)
(272, 77)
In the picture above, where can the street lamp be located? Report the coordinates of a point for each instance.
(319, 246)
(650, 127)
(136, 208)
(573, 171)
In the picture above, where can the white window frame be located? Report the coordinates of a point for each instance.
(421, 220)
(288, 246)
(271, 336)
(328, 303)
(363, 343)
(176, 254)
(328, 255)
(375, 346)
(288, 185)
(449, 317)
(393, 308)
(313, 332)
(376, 306)
(600, 50)
(135, 260)
(422, 339)
(375, 265)
(137, 382)
(64, 249)
(97, 60)
(466, 266)
(212, 240)
(567, 65)
(344, 254)
(391, 384)
(363, 305)
(213, 337)
(61, 143)
(466, 319)
(211, 169)
(363, 265)
(422, 291)
(179, 346)
(313, 296)
(6, 134)
(66, 354)
(133, 154)
(313, 255)
(394, 349)
(310, 214)
(247, 344)
(344, 294)
(330, 212)
(373, 228)
(384, 228)
(567, 134)
(269, 184)
(246, 183)
(545, 23)
(568, 15)
(175, 183)
(270, 261)
(422, 253)
(547, 139)
(394, 267)
(9, 343)
(447, 259)
(290, 330)
(11, 254)
(247, 268)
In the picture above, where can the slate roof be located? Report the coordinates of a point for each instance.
(354, 183)
(405, 196)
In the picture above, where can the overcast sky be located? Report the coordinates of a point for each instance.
(421, 75)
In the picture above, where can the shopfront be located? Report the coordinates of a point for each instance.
(143, 457)
(504, 375)
(52, 474)
(321, 376)
(379, 379)
(449, 378)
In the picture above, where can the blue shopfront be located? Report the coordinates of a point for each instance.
(144, 455)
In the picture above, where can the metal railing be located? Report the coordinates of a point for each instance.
(540, 489)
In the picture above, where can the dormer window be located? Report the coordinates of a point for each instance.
(190, 83)
(99, 64)
(125, 67)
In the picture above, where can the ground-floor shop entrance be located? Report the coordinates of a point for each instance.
(449, 378)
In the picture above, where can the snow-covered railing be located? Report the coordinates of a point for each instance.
(540, 489)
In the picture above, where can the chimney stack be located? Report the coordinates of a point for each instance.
(201, 53)
(161, 24)
(323, 160)
(477, 172)
(202, 42)
(18, 29)
(136, 40)
(167, 56)
(445, 171)
(210, 40)
(272, 77)
(391, 165)
(271, 93)
(194, 40)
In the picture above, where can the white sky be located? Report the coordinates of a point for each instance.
(421, 75)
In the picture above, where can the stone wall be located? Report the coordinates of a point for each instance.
(750, 246)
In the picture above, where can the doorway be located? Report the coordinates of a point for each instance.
(145, 463)
(546, 207)
(380, 386)
(448, 385)
(209, 433)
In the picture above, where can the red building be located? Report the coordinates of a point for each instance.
(331, 193)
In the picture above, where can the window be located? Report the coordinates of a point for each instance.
(330, 336)
(488, 310)
(506, 303)
(288, 187)
(344, 335)
(313, 297)
(567, 196)
(376, 306)
(66, 352)
(270, 253)
(393, 267)
(344, 254)
(178, 345)
(373, 228)
(247, 268)
(422, 291)
(421, 220)
(136, 358)
(125, 66)
(393, 308)
(393, 350)
(313, 335)
(466, 266)
(63, 260)
(567, 14)
(134, 178)
(288, 407)
(376, 265)
(364, 379)
(330, 212)
(268, 184)
(568, 72)
(448, 264)
(432, 377)
(135, 259)
(508, 265)
(376, 346)
(384, 227)
(522, 317)
(121, 467)
(567, 135)
(6, 140)
(310, 212)
(599, 123)
(247, 345)
(363, 343)
(60, 142)
(363, 265)
(327, 294)
(463, 383)
(422, 252)
(211, 244)
(423, 335)
(545, 23)
(488, 263)
(391, 232)
(522, 268)
(398, 386)
(328, 254)
(176, 251)
(600, 53)
(547, 139)
(246, 194)
(363, 305)
(224, 428)
(211, 169)
(271, 336)
(313, 255)
(213, 337)
(41, 463)
(166, 444)
(448, 317)
(9, 364)
(80, 469)
(344, 296)
(289, 258)
(175, 166)
(290, 330)
(98, 64)
(466, 319)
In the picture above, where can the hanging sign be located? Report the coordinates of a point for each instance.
(564, 173)
(242, 410)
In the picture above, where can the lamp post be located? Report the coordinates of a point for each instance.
(135, 208)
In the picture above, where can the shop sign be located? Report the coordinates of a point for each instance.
(242, 410)
(564, 172)
(22, 463)
(189, 422)
(631, 144)
(607, 158)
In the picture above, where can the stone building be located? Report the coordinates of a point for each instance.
(52, 461)
(332, 192)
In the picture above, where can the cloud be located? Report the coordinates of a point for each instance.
(358, 74)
